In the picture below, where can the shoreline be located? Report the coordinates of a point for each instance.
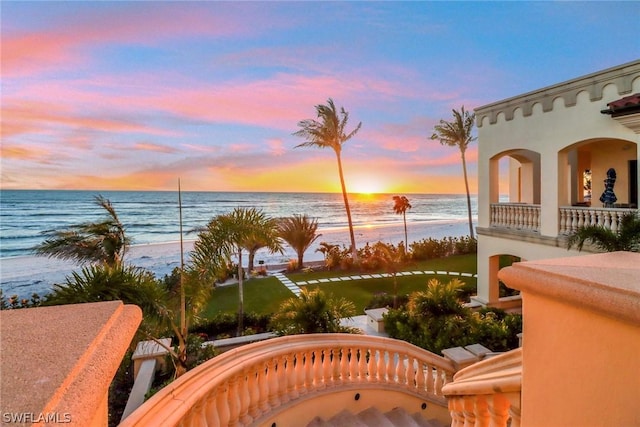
(28, 274)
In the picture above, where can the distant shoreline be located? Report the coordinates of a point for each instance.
(23, 275)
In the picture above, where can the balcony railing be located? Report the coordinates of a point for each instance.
(250, 383)
(518, 216)
(487, 393)
(572, 218)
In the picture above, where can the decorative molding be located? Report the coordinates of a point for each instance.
(622, 76)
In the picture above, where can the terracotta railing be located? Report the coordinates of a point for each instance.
(249, 383)
(518, 216)
(571, 218)
(487, 393)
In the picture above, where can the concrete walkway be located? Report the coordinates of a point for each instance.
(295, 286)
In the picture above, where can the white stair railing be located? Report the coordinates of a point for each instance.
(250, 382)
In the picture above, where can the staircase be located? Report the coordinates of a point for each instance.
(372, 417)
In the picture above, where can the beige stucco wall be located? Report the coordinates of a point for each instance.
(548, 133)
(570, 116)
(581, 340)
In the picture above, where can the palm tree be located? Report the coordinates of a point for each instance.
(299, 231)
(458, 134)
(329, 132)
(400, 206)
(311, 313)
(226, 235)
(103, 242)
(625, 238)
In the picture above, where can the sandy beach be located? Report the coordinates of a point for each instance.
(25, 275)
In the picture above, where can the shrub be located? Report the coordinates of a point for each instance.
(435, 319)
(224, 325)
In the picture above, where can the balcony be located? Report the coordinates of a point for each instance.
(516, 216)
(526, 218)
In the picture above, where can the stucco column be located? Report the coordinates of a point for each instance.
(551, 171)
(488, 172)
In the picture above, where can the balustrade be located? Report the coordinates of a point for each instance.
(487, 393)
(572, 218)
(516, 216)
(243, 384)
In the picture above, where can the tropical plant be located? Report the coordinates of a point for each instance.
(329, 132)
(299, 231)
(225, 236)
(400, 206)
(625, 238)
(312, 312)
(436, 318)
(103, 242)
(457, 133)
(392, 259)
(334, 257)
(131, 285)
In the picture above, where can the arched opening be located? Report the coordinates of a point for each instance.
(597, 183)
(500, 295)
(515, 192)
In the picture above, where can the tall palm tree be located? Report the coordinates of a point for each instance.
(457, 133)
(227, 235)
(299, 231)
(625, 238)
(103, 242)
(400, 206)
(329, 132)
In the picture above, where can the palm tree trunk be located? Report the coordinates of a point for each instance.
(300, 258)
(466, 184)
(354, 250)
(406, 238)
(240, 294)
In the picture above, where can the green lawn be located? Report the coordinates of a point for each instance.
(265, 295)
(261, 296)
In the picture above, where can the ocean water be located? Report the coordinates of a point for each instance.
(153, 216)
(151, 219)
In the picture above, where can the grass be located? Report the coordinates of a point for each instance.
(261, 295)
(264, 295)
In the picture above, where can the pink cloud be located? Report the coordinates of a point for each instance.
(158, 148)
(23, 153)
(22, 117)
(276, 146)
(69, 41)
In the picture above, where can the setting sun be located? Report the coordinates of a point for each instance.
(366, 185)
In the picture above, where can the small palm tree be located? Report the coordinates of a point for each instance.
(625, 238)
(311, 313)
(329, 132)
(226, 235)
(299, 231)
(439, 299)
(103, 242)
(458, 134)
(400, 206)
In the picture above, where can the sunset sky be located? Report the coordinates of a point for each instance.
(134, 95)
